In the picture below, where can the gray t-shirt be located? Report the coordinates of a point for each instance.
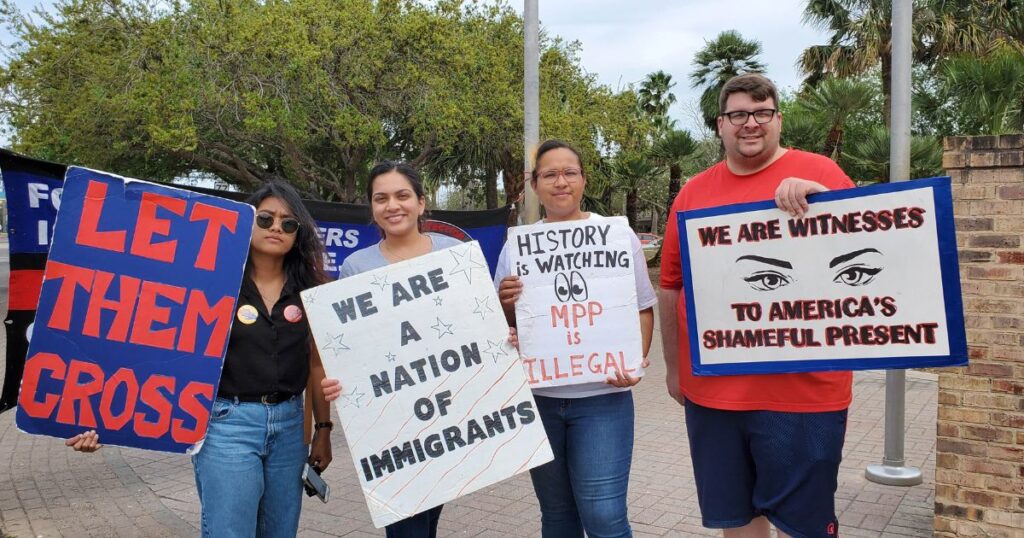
(645, 298)
(371, 257)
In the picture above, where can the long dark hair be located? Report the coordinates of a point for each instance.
(411, 174)
(304, 263)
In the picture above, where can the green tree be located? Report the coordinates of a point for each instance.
(655, 97)
(835, 101)
(867, 157)
(722, 58)
(990, 91)
(631, 172)
(674, 150)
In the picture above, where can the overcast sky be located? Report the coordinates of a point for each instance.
(623, 40)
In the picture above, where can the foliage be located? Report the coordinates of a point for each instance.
(721, 59)
(867, 158)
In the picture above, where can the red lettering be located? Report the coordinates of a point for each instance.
(30, 384)
(147, 225)
(126, 377)
(220, 314)
(148, 312)
(92, 208)
(577, 368)
(528, 363)
(216, 218)
(71, 276)
(76, 391)
(191, 405)
(123, 307)
(559, 374)
(155, 399)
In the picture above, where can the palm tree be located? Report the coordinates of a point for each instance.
(727, 56)
(655, 97)
(834, 100)
(867, 158)
(990, 91)
(631, 170)
(673, 150)
(861, 36)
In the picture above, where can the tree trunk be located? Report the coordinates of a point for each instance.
(887, 86)
(491, 186)
(631, 207)
(675, 176)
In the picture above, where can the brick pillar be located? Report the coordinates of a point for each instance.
(979, 461)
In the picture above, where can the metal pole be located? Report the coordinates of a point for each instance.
(531, 104)
(893, 470)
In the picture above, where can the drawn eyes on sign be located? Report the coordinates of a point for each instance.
(767, 280)
(562, 288)
(579, 287)
(859, 273)
(571, 287)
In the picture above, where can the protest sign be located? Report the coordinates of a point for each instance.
(435, 402)
(577, 315)
(135, 307)
(868, 278)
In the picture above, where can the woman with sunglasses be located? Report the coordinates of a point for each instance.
(590, 425)
(248, 468)
(397, 205)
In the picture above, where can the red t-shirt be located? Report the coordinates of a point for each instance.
(717, 186)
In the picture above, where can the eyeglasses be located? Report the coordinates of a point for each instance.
(740, 117)
(266, 220)
(571, 175)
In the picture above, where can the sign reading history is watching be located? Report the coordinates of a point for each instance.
(868, 278)
(136, 304)
(577, 315)
(435, 404)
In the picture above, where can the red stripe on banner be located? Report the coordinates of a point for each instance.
(24, 290)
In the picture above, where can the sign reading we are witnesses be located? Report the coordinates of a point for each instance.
(868, 278)
(134, 312)
(577, 315)
(435, 404)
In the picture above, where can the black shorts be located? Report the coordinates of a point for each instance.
(781, 465)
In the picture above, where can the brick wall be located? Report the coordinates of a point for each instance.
(979, 468)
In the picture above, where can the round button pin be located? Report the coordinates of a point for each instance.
(247, 314)
(293, 313)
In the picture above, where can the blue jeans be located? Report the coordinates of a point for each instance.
(249, 470)
(421, 525)
(584, 488)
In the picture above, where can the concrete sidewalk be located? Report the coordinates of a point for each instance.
(49, 490)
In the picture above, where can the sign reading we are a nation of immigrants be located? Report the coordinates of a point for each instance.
(135, 308)
(435, 403)
(868, 278)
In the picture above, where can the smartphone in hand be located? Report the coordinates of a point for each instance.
(314, 484)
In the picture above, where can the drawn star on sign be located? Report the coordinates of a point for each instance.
(380, 281)
(352, 399)
(495, 350)
(442, 328)
(310, 296)
(483, 307)
(391, 357)
(465, 263)
(335, 344)
(438, 301)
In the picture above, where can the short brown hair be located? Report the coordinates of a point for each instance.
(754, 84)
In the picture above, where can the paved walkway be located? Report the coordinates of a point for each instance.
(49, 490)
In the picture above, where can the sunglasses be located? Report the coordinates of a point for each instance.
(266, 220)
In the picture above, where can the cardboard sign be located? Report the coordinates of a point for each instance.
(577, 316)
(134, 312)
(868, 278)
(435, 402)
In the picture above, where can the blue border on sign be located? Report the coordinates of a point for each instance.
(949, 266)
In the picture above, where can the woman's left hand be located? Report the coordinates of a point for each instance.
(320, 451)
(624, 381)
(513, 337)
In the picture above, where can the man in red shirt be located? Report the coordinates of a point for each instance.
(765, 448)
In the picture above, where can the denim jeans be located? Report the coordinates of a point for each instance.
(584, 488)
(249, 469)
(421, 525)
